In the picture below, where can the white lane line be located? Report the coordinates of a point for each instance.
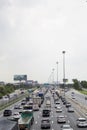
(52, 122)
(68, 121)
(36, 122)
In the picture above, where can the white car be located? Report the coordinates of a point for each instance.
(58, 109)
(18, 107)
(81, 122)
(16, 115)
(57, 106)
(66, 127)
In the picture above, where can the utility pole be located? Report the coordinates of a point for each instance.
(64, 70)
(57, 73)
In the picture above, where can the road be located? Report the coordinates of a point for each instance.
(79, 100)
(70, 117)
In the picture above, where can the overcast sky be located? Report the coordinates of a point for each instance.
(33, 34)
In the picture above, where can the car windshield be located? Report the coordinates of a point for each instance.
(7, 110)
(45, 121)
(62, 117)
(82, 120)
(45, 111)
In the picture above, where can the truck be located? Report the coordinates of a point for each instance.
(26, 120)
(35, 107)
(48, 103)
(37, 100)
(41, 94)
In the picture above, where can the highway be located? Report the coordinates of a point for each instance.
(79, 97)
(70, 117)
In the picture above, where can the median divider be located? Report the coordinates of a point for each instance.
(10, 102)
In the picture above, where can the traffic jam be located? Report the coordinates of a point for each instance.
(43, 109)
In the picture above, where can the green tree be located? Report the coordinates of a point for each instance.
(84, 84)
(76, 84)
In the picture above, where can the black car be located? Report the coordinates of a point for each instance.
(45, 123)
(7, 113)
(46, 113)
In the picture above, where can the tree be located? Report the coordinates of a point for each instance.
(76, 84)
(84, 84)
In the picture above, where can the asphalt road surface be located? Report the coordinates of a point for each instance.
(70, 117)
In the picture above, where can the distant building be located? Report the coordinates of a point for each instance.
(2, 83)
(31, 82)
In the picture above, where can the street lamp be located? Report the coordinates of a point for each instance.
(53, 74)
(64, 70)
(57, 72)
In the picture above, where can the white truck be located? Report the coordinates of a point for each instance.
(37, 100)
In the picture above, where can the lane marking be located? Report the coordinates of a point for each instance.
(36, 122)
(52, 122)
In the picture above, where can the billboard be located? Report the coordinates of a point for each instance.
(20, 77)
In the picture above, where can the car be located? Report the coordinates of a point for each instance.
(81, 122)
(23, 103)
(46, 113)
(17, 107)
(57, 102)
(63, 99)
(73, 97)
(70, 109)
(68, 104)
(59, 109)
(66, 127)
(72, 93)
(16, 115)
(64, 102)
(57, 105)
(45, 123)
(61, 119)
(7, 112)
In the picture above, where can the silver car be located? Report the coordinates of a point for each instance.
(81, 122)
(66, 127)
(61, 119)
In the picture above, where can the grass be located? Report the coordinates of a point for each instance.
(83, 91)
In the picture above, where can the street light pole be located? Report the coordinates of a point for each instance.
(64, 70)
(57, 72)
(53, 74)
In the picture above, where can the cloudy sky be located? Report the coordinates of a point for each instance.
(33, 34)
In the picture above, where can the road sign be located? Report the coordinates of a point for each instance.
(65, 80)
